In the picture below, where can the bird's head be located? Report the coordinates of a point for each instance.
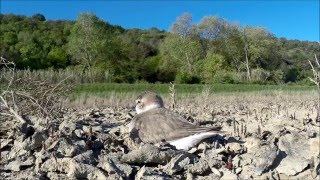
(148, 100)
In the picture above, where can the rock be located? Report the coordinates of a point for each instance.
(4, 155)
(202, 146)
(38, 139)
(56, 176)
(113, 166)
(85, 158)
(293, 152)
(238, 170)
(252, 143)
(228, 175)
(236, 161)
(284, 177)
(314, 144)
(79, 133)
(69, 149)
(235, 147)
(247, 172)
(67, 127)
(311, 134)
(189, 176)
(199, 168)
(56, 165)
(178, 163)
(261, 154)
(20, 163)
(40, 157)
(72, 168)
(148, 173)
(264, 157)
(25, 174)
(84, 171)
(246, 159)
(315, 166)
(210, 176)
(5, 142)
(149, 154)
(216, 172)
(213, 153)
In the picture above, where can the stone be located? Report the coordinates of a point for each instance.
(199, 168)
(148, 173)
(238, 170)
(264, 157)
(113, 166)
(40, 157)
(67, 127)
(294, 150)
(84, 171)
(38, 139)
(236, 161)
(57, 176)
(247, 172)
(5, 142)
(216, 172)
(68, 148)
(228, 175)
(56, 165)
(85, 157)
(20, 163)
(178, 163)
(149, 154)
(210, 176)
(235, 147)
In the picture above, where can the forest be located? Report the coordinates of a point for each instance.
(213, 50)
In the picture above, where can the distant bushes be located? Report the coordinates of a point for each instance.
(76, 75)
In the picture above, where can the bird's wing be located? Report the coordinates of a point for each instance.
(162, 124)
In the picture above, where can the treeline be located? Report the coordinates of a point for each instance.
(213, 50)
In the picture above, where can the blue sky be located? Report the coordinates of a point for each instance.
(289, 19)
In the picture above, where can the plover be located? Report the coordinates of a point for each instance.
(154, 124)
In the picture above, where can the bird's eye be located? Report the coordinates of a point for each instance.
(138, 101)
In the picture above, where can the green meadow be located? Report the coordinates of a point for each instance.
(111, 88)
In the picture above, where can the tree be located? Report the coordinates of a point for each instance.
(248, 46)
(87, 41)
(210, 65)
(211, 27)
(57, 57)
(38, 17)
(182, 48)
(183, 27)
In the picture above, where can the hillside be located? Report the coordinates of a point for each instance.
(211, 51)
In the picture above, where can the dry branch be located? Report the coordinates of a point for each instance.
(20, 97)
(316, 81)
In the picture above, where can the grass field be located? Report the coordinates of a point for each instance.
(107, 88)
(113, 94)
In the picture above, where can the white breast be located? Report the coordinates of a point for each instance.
(190, 141)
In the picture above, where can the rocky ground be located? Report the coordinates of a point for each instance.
(267, 142)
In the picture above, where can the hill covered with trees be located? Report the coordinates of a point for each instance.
(213, 50)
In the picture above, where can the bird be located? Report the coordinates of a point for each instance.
(154, 124)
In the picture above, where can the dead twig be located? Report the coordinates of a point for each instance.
(316, 81)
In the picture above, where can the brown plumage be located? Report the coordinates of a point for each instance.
(159, 124)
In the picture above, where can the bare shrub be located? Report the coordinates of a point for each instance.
(316, 81)
(21, 97)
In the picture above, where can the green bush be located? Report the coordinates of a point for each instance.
(186, 78)
(226, 77)
(260, 76)
(277, 76)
